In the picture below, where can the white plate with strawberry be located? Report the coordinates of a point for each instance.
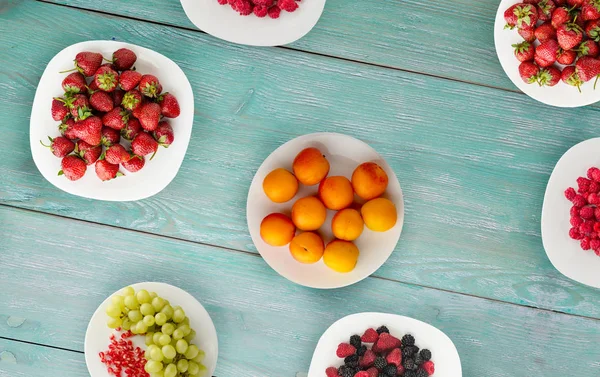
(549, 49)
(255, 22)
(119, 124)
(393, 339)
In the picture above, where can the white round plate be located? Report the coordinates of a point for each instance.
(560, 95)
(223, 22)
(445, 356)
(158, 173)
(344, 154)
(565, 253)
(97, 334)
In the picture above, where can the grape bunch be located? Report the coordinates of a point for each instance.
(169, 337)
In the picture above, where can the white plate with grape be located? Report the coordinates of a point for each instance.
(172, 328)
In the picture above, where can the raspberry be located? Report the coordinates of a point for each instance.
(400, 370)
(597, 227)
(394, 357)
(570, 193)
(429, 367)
(368, 359)
(332, 372)
(595, 244)
(594, 187)
(386, 342)
(593, 198)
(274, 12)
(287, 5)
(574, 234)
(586, 227)
(597, 252)
(579, 201)
(344, 350)
(372, 372)
(585, 243)
(574, 210)
(593, 235)
(593, 173)
(362, 374)
(587, 212)
(583, 184)
(263, 3)
(370, 336)
(223, 2)
(260, 11)
(597, 213)
(243, 7)
(576, 221)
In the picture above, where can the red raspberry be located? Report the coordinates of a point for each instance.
(370, 336)
(243, 7)
(394, 357)
(583, 184)
(597, 227)
(345, 350)
(570, 193)
(595, 244)
(587, 227)
(260, 11)
(368, 359)
(597, 213)
(373, 372)
(594, 187)
(574, 234)
(332, 372)
(597, 252)
(263, 3)
(287, 5)
(576, 221)
(274, 12)
(579, 201)
(585, 243)
(593, 198)
(574, 211)
(362, 374)
(429, 367)
(593, 235)
(400, 370)
(587, 212)
(593, 173)
(223, 2)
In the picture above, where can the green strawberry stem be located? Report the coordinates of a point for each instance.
(595, 82)
(47, 146)
(70, 70)
(119, 174)
(153, 154)
(60, 172)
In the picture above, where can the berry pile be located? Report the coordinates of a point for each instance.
(104, 103)
(261, 8)
(387, 356)
(585, 212)
(567, 31)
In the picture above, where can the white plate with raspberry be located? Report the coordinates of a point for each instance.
(225, 23)
(444, 353)
(158, 172)
(561, 94)
(566, 253)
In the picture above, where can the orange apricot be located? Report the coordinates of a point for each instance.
(277, 229)
(307, 247)
(347, 224)
(280, 185)
(310, 166)
(369, 180)
(308, 213)
(336, 192)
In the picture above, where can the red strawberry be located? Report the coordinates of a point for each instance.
(588, 48)
(132, 99)
(60, 146)
(59, 109)
(149, 86)
(569, 35)
(560, 3)
(575, 3)
(106, 78)
(131, 129)
(79, 106)
(531, 2)
(101, 101)
(429, 367)
(560, 16)
(345, 350)
(520, 15)
(89, 153)
(386, 342)
(332, 372)
(587, 68)
(116, 118)
(88, 62)
(110, 136)
(129, 79)
(169, 107)
(134, 164)
(528, 34)
(74, 83)
(124, 59)
(117, 97)
(106, 171)
(66, 129)
(570, 77)
(361, 373)
(92, 87)
(547, 52)
(137, 113)
(592, 30)
(367, 359)
(144, 144)
(545, 9)
(545, 32)
(566, 57)
(394, 357)
(524, 51)
(149, 116)
(89, 130)
(370, 336)
(73, 167)
(116, 154)
(549, 76)
(373, 372)
(164, 134)
(541, 62)
(590, 10)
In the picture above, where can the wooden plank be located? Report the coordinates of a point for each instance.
(28, 360)
(473, 162)
(266, 325)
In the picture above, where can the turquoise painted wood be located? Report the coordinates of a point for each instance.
(462, 153)
(266, 326)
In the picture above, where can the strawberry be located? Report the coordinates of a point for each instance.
(106, 78)
(566, 57)
(528, 72)
(110, 136)
(549, 76)
(73, 167)
(345, 350)
(60, 146)
(129, 80)
(545, 32)
(131, 129)
(429, 367)
(101, 101)
(88, 62)
(590, 10)
(164, 134)
(570, 77)
(592, 30)
(394, 357)
(149, 116)
(560, 16)
(545, 9)
(560, 3)
(66, 128)
(587, 68)
(332, 372)
(569, 35)
(588, 48)
(520, 15)
(74, 83)
(149, 86)
(116, 118)
(116, 154)
(78, 106)
(528, 34)
(106, 171)
(370, 336)
(132, 99)
(387, 342)
(59, 109)
(169, 107)
(144, 144)
(373, 372)
(89, 130)
(546, 53)
(117, 97)
(367, 359)
(89, 153)
(575, 3)
(123, 59)
(524, 51)
(134, 164)
(137, 113)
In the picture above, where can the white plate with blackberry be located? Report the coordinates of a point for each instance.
(425, 350)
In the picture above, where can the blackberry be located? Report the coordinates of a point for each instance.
(409, 364)
(425, 354)
(415, 349)
(355, 341)
(410, 373)
(345, 371)
(408, 352)
(351, 361)
(380, 363)
(408, 340)
(391, 370)
(418, 359)
(422, 373)
(361, 351)
(382, 329)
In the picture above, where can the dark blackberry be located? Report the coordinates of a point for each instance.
(409, 364)
(391, 370)
(415, 349)
(422, 373)
(361, 351)
(382, 329)
(425, 354)
(408, 340)
(345, 371)
(408, 352)
(380, 363)
(418, 359)
(355, 341)
(351, 361)
(410, 373)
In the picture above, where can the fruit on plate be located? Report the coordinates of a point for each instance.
(369, 180)
(379, 214)
(308, 213)
(347, 224)
(310, 166)
(60, 146)
(585, 211)
(340, 255)
(277, 229)
(307, 247)
(336, 192)
(73, 167)
(261, 8)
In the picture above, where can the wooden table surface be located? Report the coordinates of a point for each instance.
(418, 81)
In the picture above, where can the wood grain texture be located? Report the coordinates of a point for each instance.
(266, 325)
(27, 360)
(473, 162)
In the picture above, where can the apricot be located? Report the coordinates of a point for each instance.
(308, 213)
(280, 185)
(379, 214)
(307, 247)
(277, 229)
(347, 224)
(341, 256)
(310, 166)
(336, 192)
(369, 180)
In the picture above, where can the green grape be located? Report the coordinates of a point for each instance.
(178, 315)
(160, 373)
(167, 310)
(113, 323)
(153, 366)
(185, 329)
(126, 324)
(149, 320)
(186, 321)
(113, 310)
(202, 370)
(143, 296)
(149, 338)
(160, 319)
(177, 334)
(118, 300)
(153, 295)
(133, 329)
(200, 357)
(182, 365)
(192, 352)
(158, 303)
(147, 354)
(156, 354)
(170, 370)
(169, 351)
(147, 309)
(129, 291)
(131, 302)
(181, 346)
(168, 328)
(141, 327)
(164, 339)
(167, 361)
(135, 316)
(156, 337)
(193, 368)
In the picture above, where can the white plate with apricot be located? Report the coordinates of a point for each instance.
(325, 210)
